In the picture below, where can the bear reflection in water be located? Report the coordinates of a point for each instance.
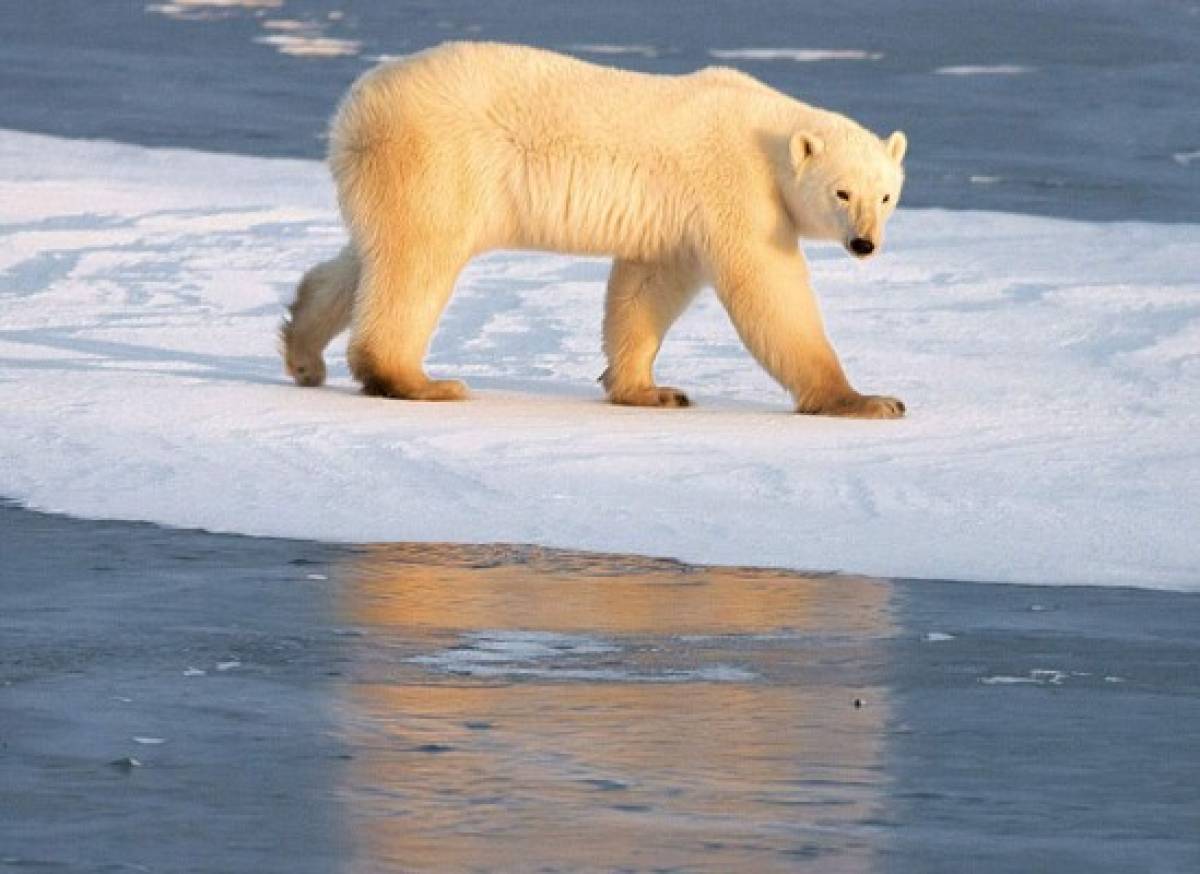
(519, 708)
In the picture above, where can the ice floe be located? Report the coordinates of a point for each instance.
(1051, 369)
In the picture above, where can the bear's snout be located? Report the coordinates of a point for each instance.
(861, 246)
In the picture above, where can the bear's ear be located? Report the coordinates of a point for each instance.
(804, 146)
(897, 145)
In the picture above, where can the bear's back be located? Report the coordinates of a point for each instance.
(526, 89)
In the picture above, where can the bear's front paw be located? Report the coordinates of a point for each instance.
(879, 407)
(862, 407)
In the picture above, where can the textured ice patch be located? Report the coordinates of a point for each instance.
(523, 653)
(288, 25)
(557, 656)
(499, 647)
(1038, 677)
(199, 10)
(984, 70)
(641, 51)
(289, 36)
(310, 45)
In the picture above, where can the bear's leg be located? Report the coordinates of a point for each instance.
(400, 299)
(413, 228)
(321, 311)
(771, 303)
(643, 301)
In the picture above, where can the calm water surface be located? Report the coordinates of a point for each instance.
(591, 712)
(177, 701)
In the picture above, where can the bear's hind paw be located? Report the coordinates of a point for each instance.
(307, 371)
(652, 396)
(428, 390)
(861, 407)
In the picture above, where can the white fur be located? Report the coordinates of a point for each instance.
(686, 180)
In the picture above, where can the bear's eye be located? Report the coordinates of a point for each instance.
(886, 198)
(843, 195)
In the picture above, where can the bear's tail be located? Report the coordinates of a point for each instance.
(321, 311)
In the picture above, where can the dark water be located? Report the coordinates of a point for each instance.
(1104, 125)
(293, 707)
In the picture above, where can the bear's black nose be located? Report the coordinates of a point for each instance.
(861, 246)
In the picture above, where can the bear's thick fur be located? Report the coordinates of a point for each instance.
(708, 178)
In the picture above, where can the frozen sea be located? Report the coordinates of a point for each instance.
(323, 703)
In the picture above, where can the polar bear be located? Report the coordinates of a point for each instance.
(703, 179)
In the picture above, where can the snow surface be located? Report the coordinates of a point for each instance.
(1051, 368)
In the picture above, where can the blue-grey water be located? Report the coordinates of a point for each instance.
(1097, 117)
(173, 701)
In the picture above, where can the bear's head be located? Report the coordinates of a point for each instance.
(844, 185)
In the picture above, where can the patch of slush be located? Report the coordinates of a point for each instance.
(1040, 677)
(506, 646)
(295, 37)
(803, 56)
(1051, 369)
(193, 10)
(984, 70)
(289, 25)
(611, 49)
(310, 45)
(553, 655)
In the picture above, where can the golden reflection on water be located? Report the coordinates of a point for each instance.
(646, 764)
(449, 587)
